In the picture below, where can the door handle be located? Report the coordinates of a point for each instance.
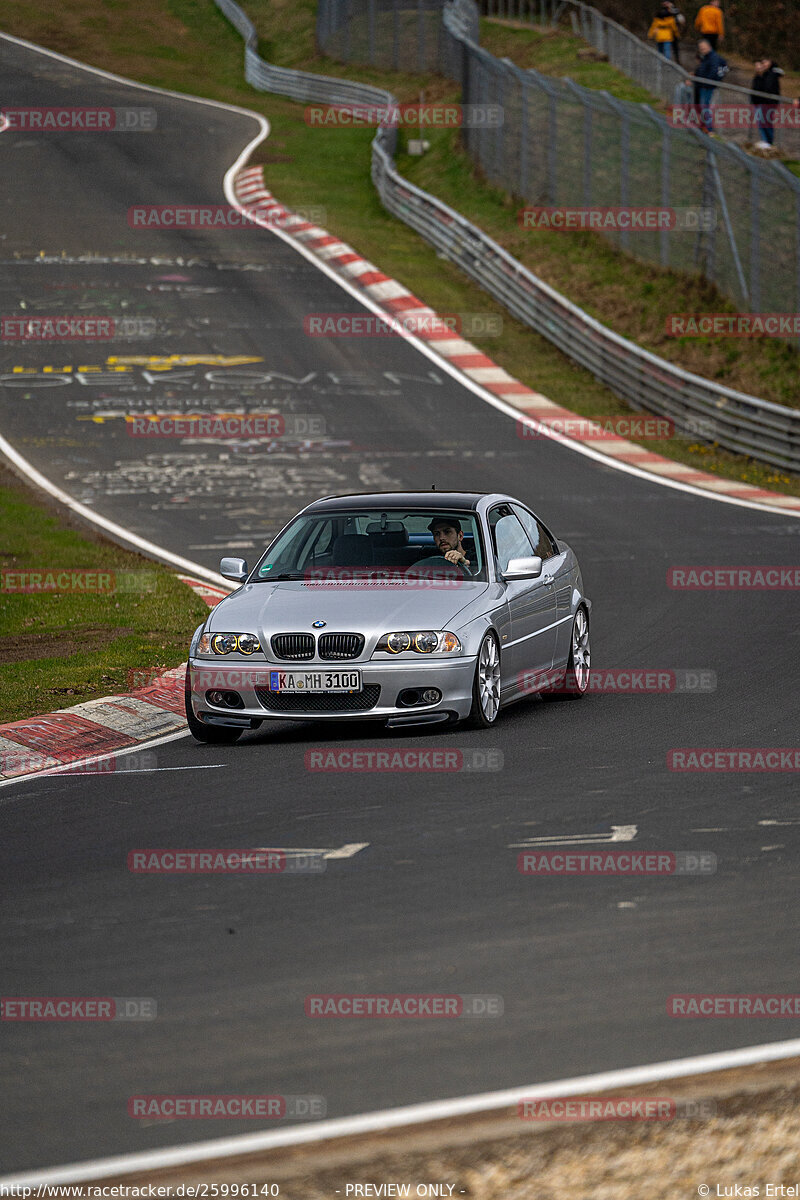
(549, 580)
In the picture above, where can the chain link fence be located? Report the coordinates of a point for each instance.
(560, 144)
(699, 407)
(642, 63)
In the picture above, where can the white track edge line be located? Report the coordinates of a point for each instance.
(118, 531)
(393, 1118)
(121, 751)
(22, 464)
(507, 409)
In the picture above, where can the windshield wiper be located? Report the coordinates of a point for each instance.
(283, 575)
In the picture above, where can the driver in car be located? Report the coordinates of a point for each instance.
(449, 539)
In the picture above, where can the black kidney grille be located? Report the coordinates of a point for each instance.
(320, 702)
(293, 646)
(340, 645)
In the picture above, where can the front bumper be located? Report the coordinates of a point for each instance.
(453, 678)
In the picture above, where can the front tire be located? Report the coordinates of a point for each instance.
(212, 735)
(486, 685)
(576, 680)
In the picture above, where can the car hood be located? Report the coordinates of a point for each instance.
(268, 608)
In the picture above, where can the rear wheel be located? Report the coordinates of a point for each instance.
(209, 734)
(486, 685)
(576, 681)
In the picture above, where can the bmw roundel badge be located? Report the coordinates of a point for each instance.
(319, 624)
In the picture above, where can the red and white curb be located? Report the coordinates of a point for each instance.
(113, 723)
(395, 299)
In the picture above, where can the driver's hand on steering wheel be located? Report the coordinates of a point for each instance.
(457, 556)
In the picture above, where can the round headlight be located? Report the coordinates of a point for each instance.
(223, 643)
(426, 642)
(248, 643)
(398, 642)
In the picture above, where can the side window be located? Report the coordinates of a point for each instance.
(510, 539)
(542, 543)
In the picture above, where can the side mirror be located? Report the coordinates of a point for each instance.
(523, 568)
(234, 568)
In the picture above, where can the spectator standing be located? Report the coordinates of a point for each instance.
(680, 21)
(664, 30)
(711, 69)
(766, 79)
(710, 23)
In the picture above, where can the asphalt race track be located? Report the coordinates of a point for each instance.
(435, 902)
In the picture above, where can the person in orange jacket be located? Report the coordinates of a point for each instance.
(664, 30)
(709, 22)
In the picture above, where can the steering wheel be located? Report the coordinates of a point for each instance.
(436, 564)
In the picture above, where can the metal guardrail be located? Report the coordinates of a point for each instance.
(702, 409)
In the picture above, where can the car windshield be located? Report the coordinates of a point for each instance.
(398, 545)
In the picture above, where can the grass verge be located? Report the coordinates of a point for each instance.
(168, 45)
(59, 648)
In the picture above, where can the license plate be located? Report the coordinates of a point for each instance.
(315, 681)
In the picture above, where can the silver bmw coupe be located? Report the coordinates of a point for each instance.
(407, 608)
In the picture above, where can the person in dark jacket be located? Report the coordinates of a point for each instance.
(766, 79)
(709, 71)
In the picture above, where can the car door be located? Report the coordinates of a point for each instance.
(531, 604)
(556, 566)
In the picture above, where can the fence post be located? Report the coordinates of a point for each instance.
(346, 39)
(728, 226)
(755, 240)
(499, 132)
(395, 35)
(371, 33)
(523, 144)
(552, 148)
